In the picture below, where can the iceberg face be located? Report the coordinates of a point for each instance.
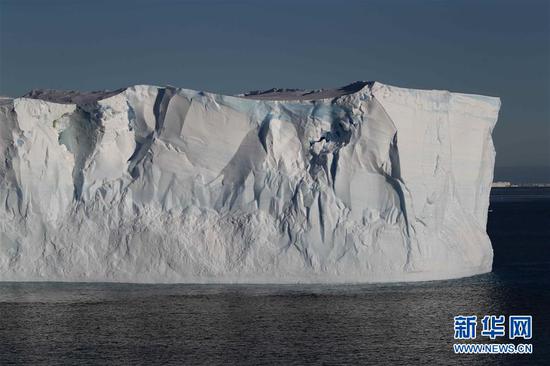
(366, 183)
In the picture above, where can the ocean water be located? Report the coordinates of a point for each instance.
(398, 324)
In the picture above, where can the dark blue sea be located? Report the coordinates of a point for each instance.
(395, 324)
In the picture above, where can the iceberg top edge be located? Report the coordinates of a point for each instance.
(270, 95)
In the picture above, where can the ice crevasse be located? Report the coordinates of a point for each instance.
(365, 183)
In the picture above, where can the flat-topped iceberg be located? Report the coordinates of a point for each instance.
(366, 183)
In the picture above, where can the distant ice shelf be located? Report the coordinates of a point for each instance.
(365, 183)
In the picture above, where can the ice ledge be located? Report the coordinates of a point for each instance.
(263, 278)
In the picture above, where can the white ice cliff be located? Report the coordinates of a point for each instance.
(365, 183)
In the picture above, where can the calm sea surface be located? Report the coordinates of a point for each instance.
(74, 324)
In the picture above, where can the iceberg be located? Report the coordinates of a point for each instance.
(148, 184)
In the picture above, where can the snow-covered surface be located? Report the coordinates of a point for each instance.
(364, 183)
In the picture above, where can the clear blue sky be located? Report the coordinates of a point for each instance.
(496, 47)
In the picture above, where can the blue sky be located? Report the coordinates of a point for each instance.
(497, 47)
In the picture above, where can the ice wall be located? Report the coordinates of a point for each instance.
(146, 184)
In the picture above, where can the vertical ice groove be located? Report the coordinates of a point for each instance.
(396, 180)
(143, 145)
(80, 136)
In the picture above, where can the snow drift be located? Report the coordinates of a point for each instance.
(364, 183)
